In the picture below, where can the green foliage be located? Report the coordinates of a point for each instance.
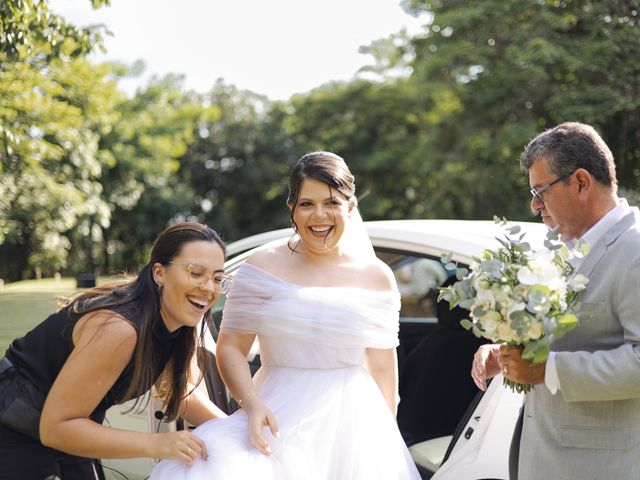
(238, 164)
(374, 127)
(51, 119)
(519, 297)
(88, 177)
(143, 152)
(27, 25)
(494, 73)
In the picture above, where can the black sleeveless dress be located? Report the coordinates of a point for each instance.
(38, 358)
(41, 353)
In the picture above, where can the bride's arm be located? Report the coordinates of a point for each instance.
(232, 350)
(382, 364)
(198, 408)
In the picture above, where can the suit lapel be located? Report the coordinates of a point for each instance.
(600, 248)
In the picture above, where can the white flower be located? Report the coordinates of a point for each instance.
(515, 307)
(507, 334)
(505, 298)
(490, 323)
(536, 330)
(481, 281)
(484, 299)
(577, 283)
(541, 270)
(518, 296)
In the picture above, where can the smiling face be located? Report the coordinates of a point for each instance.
(182, 303)
(320, 215)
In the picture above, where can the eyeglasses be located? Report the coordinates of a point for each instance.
(199, 276)
(537, 192)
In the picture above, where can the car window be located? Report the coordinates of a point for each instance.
(418, 280)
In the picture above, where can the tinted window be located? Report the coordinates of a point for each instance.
(418, 281)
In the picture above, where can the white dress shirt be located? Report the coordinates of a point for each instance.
(590, 238)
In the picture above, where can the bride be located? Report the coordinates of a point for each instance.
(325, 311)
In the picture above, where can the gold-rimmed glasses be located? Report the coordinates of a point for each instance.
(199, 276)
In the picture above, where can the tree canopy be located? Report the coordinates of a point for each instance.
(28, 25)
(88, 176)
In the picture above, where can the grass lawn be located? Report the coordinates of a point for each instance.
(25, 304)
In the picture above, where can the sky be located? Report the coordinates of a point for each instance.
(272, 47)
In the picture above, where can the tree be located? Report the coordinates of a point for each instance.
(238, 164)
(27, 25)
(494, 73)
(373, 126)
(141, 182)
(48, 153)
(50, 122)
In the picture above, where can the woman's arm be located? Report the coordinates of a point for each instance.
(232, 349)
(103, 345)
(382, 364)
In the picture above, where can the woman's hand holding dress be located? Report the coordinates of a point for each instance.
(182, 445)
(259, 417)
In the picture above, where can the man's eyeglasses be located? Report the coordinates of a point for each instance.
(199, 276)
(537, 192)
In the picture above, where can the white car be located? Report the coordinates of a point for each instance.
(453, 430)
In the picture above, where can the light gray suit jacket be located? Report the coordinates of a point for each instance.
(590, 429)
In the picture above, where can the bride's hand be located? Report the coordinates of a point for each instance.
(486, 364)
(259, 417)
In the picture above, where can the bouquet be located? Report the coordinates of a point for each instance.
(517, 296)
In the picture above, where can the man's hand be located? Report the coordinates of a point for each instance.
(515, 368)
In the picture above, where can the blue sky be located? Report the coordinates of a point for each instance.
(273, 47)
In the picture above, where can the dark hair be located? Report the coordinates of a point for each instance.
(138, 300)
(325, 167)
(570, 146)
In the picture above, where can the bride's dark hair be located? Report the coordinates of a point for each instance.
(325, 167)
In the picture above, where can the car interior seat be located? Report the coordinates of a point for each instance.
(436, 385)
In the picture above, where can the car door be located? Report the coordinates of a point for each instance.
(479, 449)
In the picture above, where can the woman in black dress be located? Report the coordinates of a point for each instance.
(105, 346)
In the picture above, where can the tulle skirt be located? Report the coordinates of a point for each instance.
(334, 424)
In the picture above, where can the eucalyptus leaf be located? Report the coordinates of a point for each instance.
(466, 324)
(542, 352)
(552, 234)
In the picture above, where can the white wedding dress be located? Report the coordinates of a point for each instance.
(334, 422)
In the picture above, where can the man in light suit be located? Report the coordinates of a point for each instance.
(582, 419)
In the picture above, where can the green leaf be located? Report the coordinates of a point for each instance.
(568, 321)
(466, 324)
